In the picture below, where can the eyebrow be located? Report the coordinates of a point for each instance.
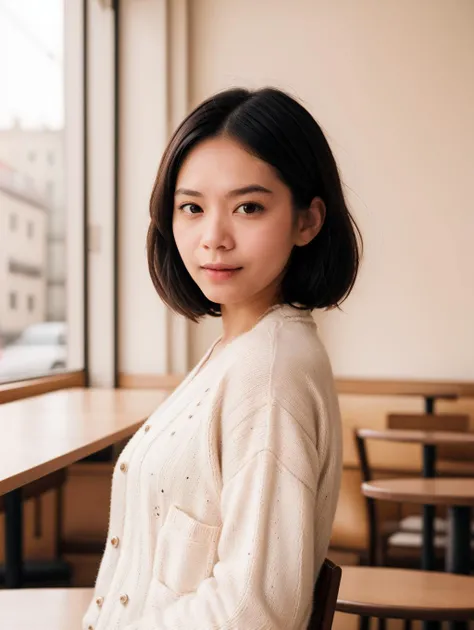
(253, 188)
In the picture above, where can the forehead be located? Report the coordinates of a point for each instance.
(223, 163)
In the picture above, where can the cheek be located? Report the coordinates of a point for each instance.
(182, 239)
(275, 238)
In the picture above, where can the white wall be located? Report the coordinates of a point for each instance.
(74, 181)
(100, 194)
(144, 131)
(392, 85)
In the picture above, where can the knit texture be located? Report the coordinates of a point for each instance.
(223, 502)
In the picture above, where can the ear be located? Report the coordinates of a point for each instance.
(309, 222)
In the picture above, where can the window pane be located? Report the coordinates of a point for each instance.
(34, 335)
(12, 300)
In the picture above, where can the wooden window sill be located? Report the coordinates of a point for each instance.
(35, 386)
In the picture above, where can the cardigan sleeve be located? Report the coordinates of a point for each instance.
(265, 574)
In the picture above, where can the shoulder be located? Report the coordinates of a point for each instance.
(282, 360)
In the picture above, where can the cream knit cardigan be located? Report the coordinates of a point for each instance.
(223, 501)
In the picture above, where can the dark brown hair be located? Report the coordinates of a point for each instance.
(277, 129)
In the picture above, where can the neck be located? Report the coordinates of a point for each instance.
(238, 319)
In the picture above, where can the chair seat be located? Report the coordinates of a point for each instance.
(56, 608)
(415, 524)
(405, 594)
(414, 540)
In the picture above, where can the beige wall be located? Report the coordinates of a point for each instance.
(392, 84)
(143, 136)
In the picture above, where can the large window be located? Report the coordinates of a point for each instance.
(37, 49)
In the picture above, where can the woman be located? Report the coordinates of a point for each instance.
(222, 503)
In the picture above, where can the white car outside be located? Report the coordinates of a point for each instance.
(40, 350)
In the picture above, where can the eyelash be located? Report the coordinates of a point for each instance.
(258, 208)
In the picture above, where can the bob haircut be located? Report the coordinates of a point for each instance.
(273, 126)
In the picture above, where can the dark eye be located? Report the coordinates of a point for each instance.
(251, 208)
(192, 208)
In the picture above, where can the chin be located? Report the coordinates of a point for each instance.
(221, 296)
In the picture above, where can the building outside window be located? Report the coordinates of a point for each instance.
(13, 300)
(33, 175)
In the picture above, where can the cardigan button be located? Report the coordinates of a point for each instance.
(147, 428)
(124, 599)
(115, 541)
(123, 467)
(99, 601)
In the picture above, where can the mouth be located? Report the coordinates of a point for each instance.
(221, 272)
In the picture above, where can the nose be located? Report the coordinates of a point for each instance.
(216, 232)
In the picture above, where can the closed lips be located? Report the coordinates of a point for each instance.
(221, 268)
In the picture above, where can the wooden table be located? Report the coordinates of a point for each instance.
(430, 440)
(42, 434)
(44, 608)
(457, 494)
(405, 594)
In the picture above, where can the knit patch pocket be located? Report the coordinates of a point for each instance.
(186, 551)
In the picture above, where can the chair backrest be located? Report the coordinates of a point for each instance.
(458, 423)
(325, 596)
(366, 475)
(428, 422)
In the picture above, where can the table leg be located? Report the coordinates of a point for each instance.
(429, 471)
(458, 551)
(429, 512)
(13, 539)
(427, 556)
(429, 404)
(459, 545)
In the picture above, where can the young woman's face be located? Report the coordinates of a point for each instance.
(231, 209)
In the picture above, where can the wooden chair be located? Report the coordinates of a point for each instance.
(350, 531)
(398, 543)
(378, 553)
(389, 544)
(410, 527)
(325, 597)
(388, 593)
